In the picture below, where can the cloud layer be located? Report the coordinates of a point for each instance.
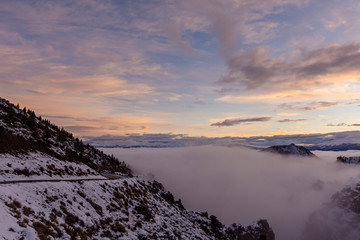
(315, 141)
(241, 185)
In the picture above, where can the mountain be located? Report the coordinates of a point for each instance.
(52, 186)
(338, 147)
(333, 141)
(291, 149)
(349, 160)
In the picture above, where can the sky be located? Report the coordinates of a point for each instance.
(199, 67)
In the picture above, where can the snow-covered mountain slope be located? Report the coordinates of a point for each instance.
(111, 209)
(40, 166)
(52, 186)
(291, 149)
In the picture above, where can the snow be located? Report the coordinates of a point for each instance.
(35, 195)
(39, 166)
(6, 223)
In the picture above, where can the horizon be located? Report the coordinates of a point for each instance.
(196, 68)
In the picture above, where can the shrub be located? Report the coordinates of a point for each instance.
(2, 130)
(24, 171)
(118, 227)
(118, 195)
(63, 208)
(71, 219)
(14, 204)
(107, 234)
(52, 217)
(97, 207)
(56, 212)
(81, 194)
(43, 231)
(27, 211)
(216, 226)
(143, 210)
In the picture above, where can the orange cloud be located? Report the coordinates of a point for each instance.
(145, 128)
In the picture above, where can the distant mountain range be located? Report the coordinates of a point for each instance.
(336, 141)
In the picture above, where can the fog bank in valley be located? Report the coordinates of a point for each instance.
(243, 185)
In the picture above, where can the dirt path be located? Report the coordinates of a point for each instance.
(108, 177)
(52, 180)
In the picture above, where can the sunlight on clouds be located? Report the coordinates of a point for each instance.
(273, 97)
(343, 90)
(128, 67)
(284, 114)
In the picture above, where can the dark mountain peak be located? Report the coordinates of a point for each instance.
(22, 131)
(348, 160)
(290, 149)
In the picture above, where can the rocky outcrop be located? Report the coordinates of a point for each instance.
(259, 230)
(348, 160)
(291, 149)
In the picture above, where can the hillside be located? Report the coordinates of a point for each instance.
(21, 127)
(52, 186)
(288, 150)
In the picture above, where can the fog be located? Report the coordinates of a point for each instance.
(242, 185)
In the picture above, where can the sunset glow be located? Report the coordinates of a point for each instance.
(198, 67)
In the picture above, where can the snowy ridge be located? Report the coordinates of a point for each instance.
(23, 128)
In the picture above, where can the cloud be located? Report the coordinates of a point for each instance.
(242, 185)
(174, 34)
(307, 106)
(343, 125)
(236, 121)
(254, 69)
(291, 120)
(81, 129)
(221, 18)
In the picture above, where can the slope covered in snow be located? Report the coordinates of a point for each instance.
(109, 209)
(40, 166)
(52, 186)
